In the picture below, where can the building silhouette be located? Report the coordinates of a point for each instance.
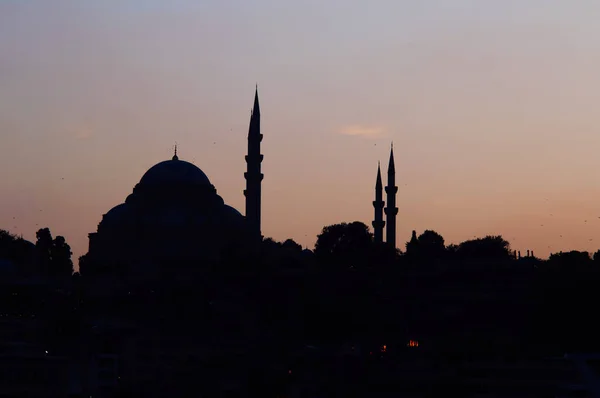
(391, 210)
(253, 174)
(378, 204)
(175, 216)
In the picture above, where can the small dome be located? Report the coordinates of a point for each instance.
(174, 171)
(28, 243)
(116, 215)
(232, 211)
(232, 215)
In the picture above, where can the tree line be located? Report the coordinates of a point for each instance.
(49, 257)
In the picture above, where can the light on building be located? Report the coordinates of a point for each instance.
(413, 343)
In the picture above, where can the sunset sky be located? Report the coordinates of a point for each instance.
(492, 107)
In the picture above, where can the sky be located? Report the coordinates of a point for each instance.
(491, 106)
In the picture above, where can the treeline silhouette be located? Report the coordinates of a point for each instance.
(48, 258)
(261, 310)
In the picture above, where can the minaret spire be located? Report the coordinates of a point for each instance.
(253, 173)
(391, 210)
(391, 165)
(256, 107)
(175, 154)
(378, 204)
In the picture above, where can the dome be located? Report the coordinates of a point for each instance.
(116, 215)
(174, 171)
(232, 211)
(28, 243)
(172, 216)
(232, 215)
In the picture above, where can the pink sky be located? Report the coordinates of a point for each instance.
(491, 107)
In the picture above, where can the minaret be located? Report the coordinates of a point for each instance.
(253, 174)
(391, 210)
(378, 203)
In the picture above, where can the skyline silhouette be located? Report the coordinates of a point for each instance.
(467, 264)
(491, 109)
(177, 196)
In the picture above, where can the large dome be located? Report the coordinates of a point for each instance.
(174, 171)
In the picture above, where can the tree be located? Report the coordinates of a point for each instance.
(291, 245)
(431, 242)
(570, 261)
(44, 250)
(488, 248)
(286, 255)
(62, 265)
(428, 246)
(451, 249)
(6, 238)
(54, 255)
(15, 249)
(270, 244)
(344, 245)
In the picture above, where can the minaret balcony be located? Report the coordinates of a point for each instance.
(249, 176)
(252, 158)
(378, 204)
(391, 211)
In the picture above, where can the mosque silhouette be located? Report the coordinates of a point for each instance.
(175, 216)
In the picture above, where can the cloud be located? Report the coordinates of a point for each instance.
(363, 131)
(80, 133)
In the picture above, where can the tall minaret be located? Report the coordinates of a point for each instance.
(253, 174)
(391, 210)
(378, 203)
